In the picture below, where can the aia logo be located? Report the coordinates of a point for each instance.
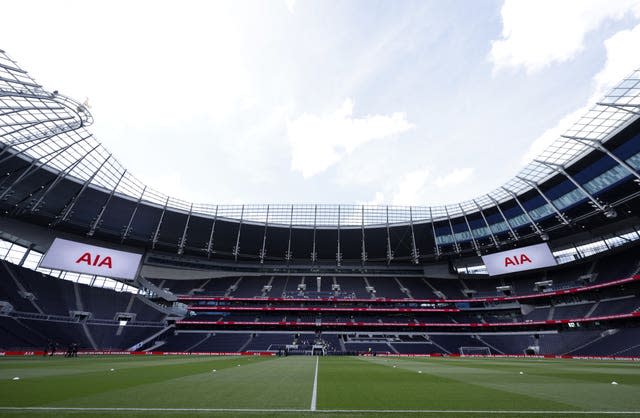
(98, 261)
(516, 260)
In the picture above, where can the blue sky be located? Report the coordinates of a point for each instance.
(390, 102)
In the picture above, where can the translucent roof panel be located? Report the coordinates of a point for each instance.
(52, 130)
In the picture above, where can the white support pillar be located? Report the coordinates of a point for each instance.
(288, 255)
(263, 250)
(127, 230)
(96, 223)
(314, 254)
(31, 168)
(338, 253)
(484, 218)
(389, 250)
(236, 248)
(415, 254)
(363, 252)
(433, 229)
(560, 215)
(209, 248)
(533, 223)
(183, 240)
(456, 246)
(61, 175)
(608, 211)
(473, 239)
(595, 144)
(506, 221)
(156, 235)
(69, 208)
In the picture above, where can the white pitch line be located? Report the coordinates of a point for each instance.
(329, 411)
(314, 395)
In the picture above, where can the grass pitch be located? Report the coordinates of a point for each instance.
(344, 386)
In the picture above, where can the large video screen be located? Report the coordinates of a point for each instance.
(519, 259)
(89, 259)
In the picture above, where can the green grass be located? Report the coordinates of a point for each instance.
(347, 386)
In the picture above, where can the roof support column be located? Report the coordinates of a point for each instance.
(466, 221)
(32, 124)
(61, 175)
(506, 221)
(209, 248)
(456, 246)
(96, 222)
(415, 254)
(33, 165)
(288, 255)
(263, 250)
(389, 251)
(126, 231)
(595, 144)
(67, 211)
(493, 237)
(609, 213)
(154, 241)
(433, 229)
(338, 253)
(9, 146)
(363, 252)
(626, 107)
(561, 216)
(314, 254)
(533, 223)
(183, 240)
(236, 248)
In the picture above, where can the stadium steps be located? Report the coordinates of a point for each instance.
(269, 284)
(157, 307)
(130, 305)
(603, 335)
(392, 348)
(80, 307)
(157, 290)
(232, 288)
(435, 291)
(444, 350)
(20, 286)
(624, 351)
(552, 310)
(479, 338)
(592, 310)
(193, 347)
(403, 288)
(246, 343)
(155, 346)
(144, 342)
(341, 342)
(199, 288)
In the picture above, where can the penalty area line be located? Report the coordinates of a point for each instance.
(327, 411)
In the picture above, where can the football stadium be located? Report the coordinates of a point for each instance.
(119, 300)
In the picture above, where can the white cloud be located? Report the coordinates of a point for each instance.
(378, 199)
(291, 5)
(621, 61)
(622, 58)
(411, 187)
(536, 34)
(457, 176)
(317, 142)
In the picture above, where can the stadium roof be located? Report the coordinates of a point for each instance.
(54, 130)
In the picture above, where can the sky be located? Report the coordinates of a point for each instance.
(353, 102)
